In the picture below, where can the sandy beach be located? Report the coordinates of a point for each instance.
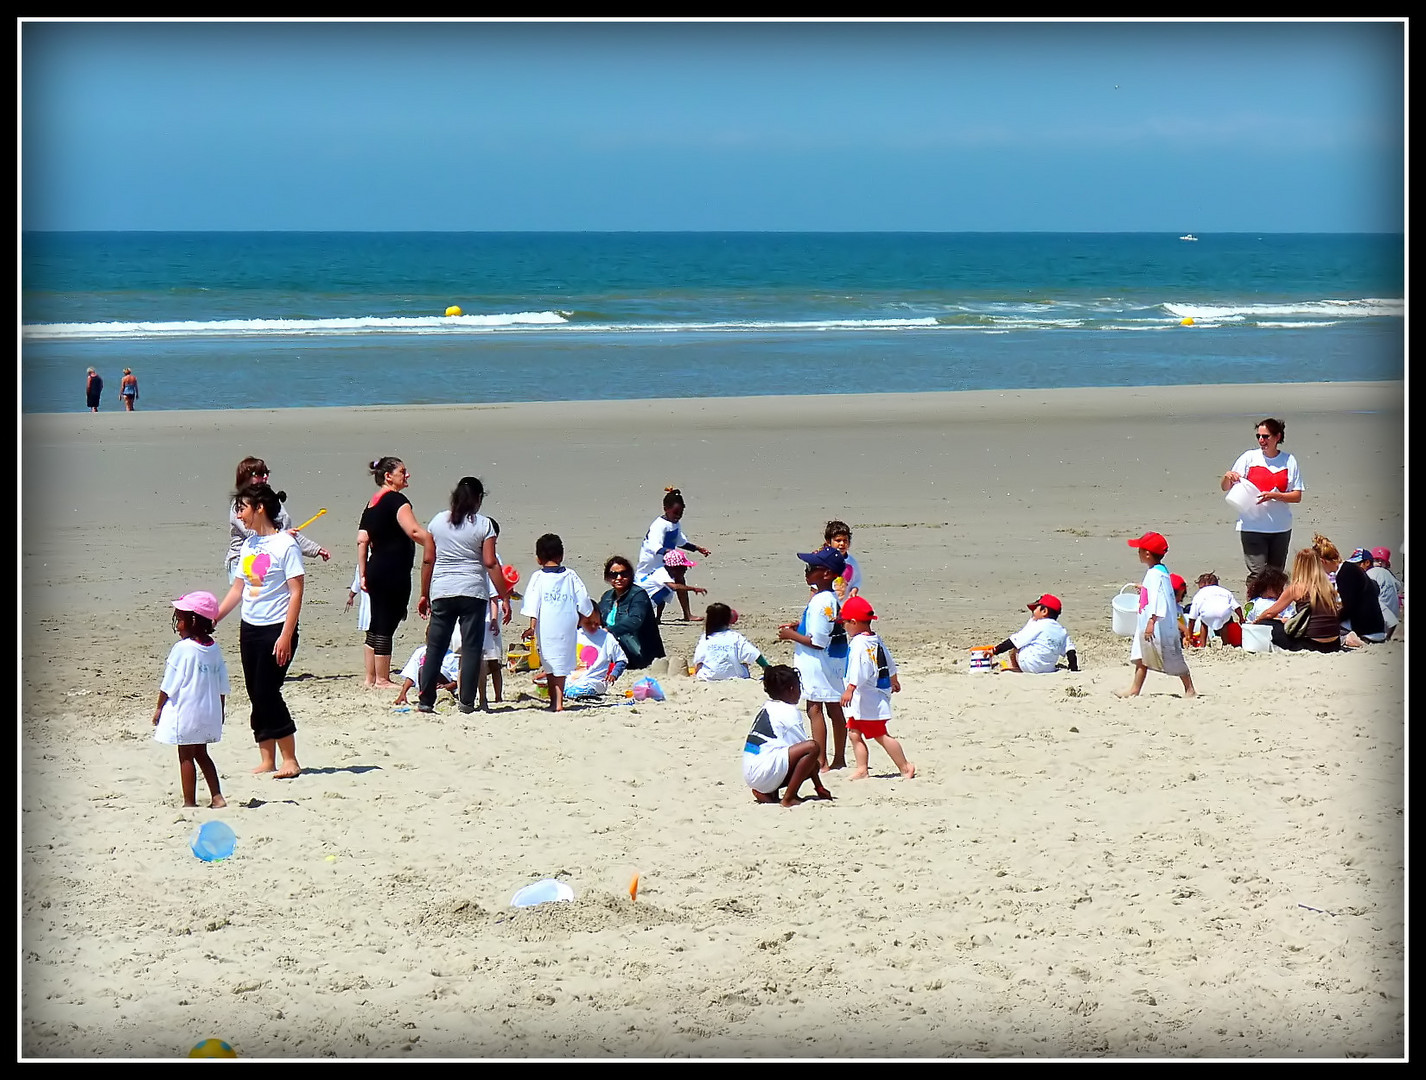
(1069, 875)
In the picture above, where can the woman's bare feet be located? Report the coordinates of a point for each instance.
(218, 802)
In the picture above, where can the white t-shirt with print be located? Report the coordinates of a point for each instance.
(777, 727)
(724, 655)
(266, 564)
(195, 678)
(595, 656)
(821, 675)
(556, 598)
(1276, 473)
(872, 698)
(1213, 606)
(1039, 645)
(663, 535)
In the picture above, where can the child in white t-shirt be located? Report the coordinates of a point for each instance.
(356, 595)
(193, 694)
(599, 660)
(820, 654)
(722, 652)
(555, 601)
(838, 536)
(777, 752)
(1037, 646)
(492, 665)
(1213, 611)
(871, 680)
(450, 668)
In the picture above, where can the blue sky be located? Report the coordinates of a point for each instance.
(982, 126)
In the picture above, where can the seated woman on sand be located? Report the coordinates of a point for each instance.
(627, 612)
(1309, 586)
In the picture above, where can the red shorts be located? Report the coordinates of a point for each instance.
(871, 729)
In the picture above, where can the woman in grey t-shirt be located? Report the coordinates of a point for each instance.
(457, 571)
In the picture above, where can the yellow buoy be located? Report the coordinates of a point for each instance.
(452, 310)
(1182, 322)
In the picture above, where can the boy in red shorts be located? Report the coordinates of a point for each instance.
(871, 680)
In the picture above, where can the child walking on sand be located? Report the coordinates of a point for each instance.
(555, 602)
(192, 696)
(1157, 641)
(820, 655)
(665, 537)
(871, 680)
(777, 752)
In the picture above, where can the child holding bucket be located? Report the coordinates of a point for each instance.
(1157, 642)
(193, 694)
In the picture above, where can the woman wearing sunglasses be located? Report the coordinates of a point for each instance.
(1266, 529)
(627, 612)
(252, 470)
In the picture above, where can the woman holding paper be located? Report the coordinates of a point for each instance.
(1265, 526)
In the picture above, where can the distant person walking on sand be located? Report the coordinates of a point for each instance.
(93, 387)
(129, 389)
(1266, 529)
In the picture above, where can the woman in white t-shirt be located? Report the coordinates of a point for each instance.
(457, 573)
(269, 582)
(1266, 530)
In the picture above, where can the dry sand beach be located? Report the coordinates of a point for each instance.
(1069, 875)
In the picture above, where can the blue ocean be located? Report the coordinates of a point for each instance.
(272, 320)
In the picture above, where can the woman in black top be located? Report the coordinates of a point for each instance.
(386, 548)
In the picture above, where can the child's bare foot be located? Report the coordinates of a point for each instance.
(190, 804)
(910, 771)
(858, 774)
(218, 802)
(837, 763)
(1131, 692)
(791, 800)
(763, 797)
(289, 770)
(1190, 693)
(265, 766)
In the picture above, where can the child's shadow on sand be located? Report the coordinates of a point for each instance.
(331, 769)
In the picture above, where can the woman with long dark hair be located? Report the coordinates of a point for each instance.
(457, 573)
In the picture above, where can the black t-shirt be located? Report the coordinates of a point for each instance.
(1361, 602)
(391, 551)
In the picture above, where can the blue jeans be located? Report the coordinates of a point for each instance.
(469, 612)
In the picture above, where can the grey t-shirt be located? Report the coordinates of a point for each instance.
(460, 565)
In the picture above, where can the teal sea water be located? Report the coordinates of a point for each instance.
(265, 320)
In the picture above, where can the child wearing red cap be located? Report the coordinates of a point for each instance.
(193, 694)
(1037, 646)
(1157, 641)
(871, 680)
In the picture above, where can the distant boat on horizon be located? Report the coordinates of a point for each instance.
(1188, 236)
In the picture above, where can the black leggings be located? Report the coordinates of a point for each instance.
(389, 601)
(264, 678)
(1300, 644)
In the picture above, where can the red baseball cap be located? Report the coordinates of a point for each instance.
(1151, 542)
(1051, 602)
(1177, 582)
(858, 609)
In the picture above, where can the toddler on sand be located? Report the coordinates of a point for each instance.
(777, 752)
(555, 601)
(192, 696)
(871, 680)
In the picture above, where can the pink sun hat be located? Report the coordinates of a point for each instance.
(198, 602)
(677, 558)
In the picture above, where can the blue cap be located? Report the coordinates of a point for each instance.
(830, 558)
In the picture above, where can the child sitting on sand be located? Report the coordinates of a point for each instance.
(1038, 645)
(599, 660)
(777, 752)
(193, 694)
(1157, 641)
(1212, 611)
(1263, 590)
(450, 668)
(722, 652)
(871, 680)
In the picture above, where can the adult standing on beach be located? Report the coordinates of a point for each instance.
(628, 614)
(457, 573)
(269, 587)
(129, 389)
(386, 548)
(253, 470)
(1266, 529)
(93, 387)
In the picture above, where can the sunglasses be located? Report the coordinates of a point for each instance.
(1261, 436)
(619, 573)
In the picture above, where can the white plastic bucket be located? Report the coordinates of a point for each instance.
(982, 661)
(1243, 498)
(1257, 637)
(542, 892)
(1124, 610)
